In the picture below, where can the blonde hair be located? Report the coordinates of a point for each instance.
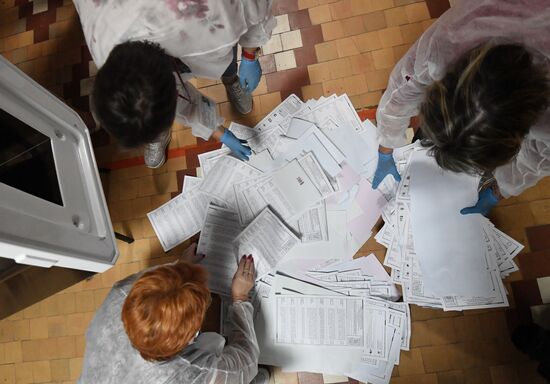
(475, 118)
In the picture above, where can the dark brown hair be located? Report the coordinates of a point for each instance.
(134, 94)
(165, 308)
(475, 118)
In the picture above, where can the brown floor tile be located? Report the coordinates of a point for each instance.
(437, 7)
(535, 264)
(268, 64)
(310, 378)
(451, 377)
(410, 362)
(442, 331)
(305, 56)
(505, 374)
(436, 359)
(415, 379)
(281, 7)
(312, 35)
(493, 325)
(526, 293)
(539, 237)
(477, 376)
(299, 20)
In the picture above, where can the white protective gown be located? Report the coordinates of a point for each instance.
(111, 359)
(466, 25)
(201, 33)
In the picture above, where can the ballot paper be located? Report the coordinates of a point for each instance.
(452, 265)
(220, 179)
(316, 142)
(221, 227)
(313, 225)
(179, 219)
(281, 114)
(293, 189)
(208, 159)
(190, 183)
(313, 320)
(268, 239)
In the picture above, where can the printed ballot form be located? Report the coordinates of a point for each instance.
(313, 320)
(179, 219)
(221, 227)
(268, 239)
(224, 174)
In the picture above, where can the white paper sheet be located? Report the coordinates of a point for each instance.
(326, 321)
(179, 219)
(226, 172)
(283, 111)
(221, 227)
(208, 159)
(190, 183)
(268, 239)
(312, 225)
(315, 141)
(448, 244)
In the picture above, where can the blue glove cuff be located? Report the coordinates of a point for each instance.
(491, 197)
(385, 156)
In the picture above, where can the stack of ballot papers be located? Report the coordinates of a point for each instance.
(443, 259)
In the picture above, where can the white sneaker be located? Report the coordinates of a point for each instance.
(155, 152)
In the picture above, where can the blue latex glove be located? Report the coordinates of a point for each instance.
(249, 74)
(385, 167)
(236, 145)
(485, 202)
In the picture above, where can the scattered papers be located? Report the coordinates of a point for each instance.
(302, 206)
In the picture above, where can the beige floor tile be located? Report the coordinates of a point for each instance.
(285, 60)
(410, 362)
(291, 40)
(282, 24)
(273, 45)
(320, 14)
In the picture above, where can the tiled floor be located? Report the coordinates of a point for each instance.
(320, 47)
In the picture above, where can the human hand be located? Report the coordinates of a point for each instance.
(487, 199)
(236, 145)
(190, 255)
(386, 166)
(250, 72)
(243, 281)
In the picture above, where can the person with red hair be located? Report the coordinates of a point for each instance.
(148, 330)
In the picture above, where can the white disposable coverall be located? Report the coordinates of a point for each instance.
(201, 33)
(464, 26)
(111, 359)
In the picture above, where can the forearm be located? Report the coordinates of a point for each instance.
(242, 352)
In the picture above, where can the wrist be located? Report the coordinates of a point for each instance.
(218, 133)
(250, 54)
(237, 299)
(496, 191)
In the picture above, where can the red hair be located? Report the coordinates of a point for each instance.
(165, 308)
